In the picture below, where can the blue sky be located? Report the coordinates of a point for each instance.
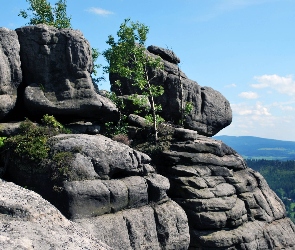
(245, 49)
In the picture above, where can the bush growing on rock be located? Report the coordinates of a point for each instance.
(127, 59)
(41, 12)
(31, 143)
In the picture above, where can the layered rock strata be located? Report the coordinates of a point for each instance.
(108, 188)
(229, 206)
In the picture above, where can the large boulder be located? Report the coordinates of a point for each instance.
(202, 109)
(229, 206)
(57, 64)
(27, 221)
(107, 187)
(10, 70)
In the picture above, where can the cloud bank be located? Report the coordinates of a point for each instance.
(281, 84)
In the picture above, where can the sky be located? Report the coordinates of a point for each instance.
(245, 49)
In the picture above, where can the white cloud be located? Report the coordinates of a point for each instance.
(283, 85)
(99, 11)
(248, 95)
(243, 109)
(233, 85)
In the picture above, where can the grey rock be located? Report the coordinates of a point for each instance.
(183, 134)
(27, 221)
(210, 111)
(9, 128)
(137, 191)
(157, 187)
(171, 223)
(165, 54)
(119, 194)
(109, 159)
(81, 127)
(10, 70)
(88, 198)
(56, 69)
(228, 205)
(137, 121)
(161, 227)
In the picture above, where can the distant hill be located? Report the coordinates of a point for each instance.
(251, 147)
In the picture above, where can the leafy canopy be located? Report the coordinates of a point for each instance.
(128, 59)
(41, 12)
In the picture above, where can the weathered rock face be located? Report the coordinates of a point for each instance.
(110, 189)
(27, 221)
(210, 111)
(56, 69)
(10, 70)
(229, 206)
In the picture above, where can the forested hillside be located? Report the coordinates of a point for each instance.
(280, 176)
(260, 148)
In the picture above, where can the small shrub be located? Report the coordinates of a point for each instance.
(31, 143)
(2, 141)
(62, 165)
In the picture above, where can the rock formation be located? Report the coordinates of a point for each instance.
(29, 222)
(202, 196)
(10, 70)
(211, 112)
(108, 188)
(229, 206)
(56, 74)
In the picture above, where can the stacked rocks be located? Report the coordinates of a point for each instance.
(229, 206)
(111, 190)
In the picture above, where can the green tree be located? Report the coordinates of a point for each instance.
(127, 58)
(40, 11)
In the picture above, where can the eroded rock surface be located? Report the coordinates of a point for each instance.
(10, 70)
(229, 206)
(110, 189)
(56, 67)
(27, 221)
(210, 110)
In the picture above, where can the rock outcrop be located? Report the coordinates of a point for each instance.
(10, 70)
(229, 206)
(202, 196)
(210, 111)
(108, 188)
(56, 67)
(27, 221)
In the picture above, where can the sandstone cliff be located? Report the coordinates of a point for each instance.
(197, 193)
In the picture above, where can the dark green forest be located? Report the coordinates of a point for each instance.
(280, 176)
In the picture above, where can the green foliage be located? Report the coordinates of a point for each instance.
(140, 102)
(31, 143)
(127, 59)
(95, 55)
(2, 141)
(62, 165)
(41, 12)
(112, 129)
(116, 128)
(95, 79)
(188, 108)
(280, 176)
(50, 122)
